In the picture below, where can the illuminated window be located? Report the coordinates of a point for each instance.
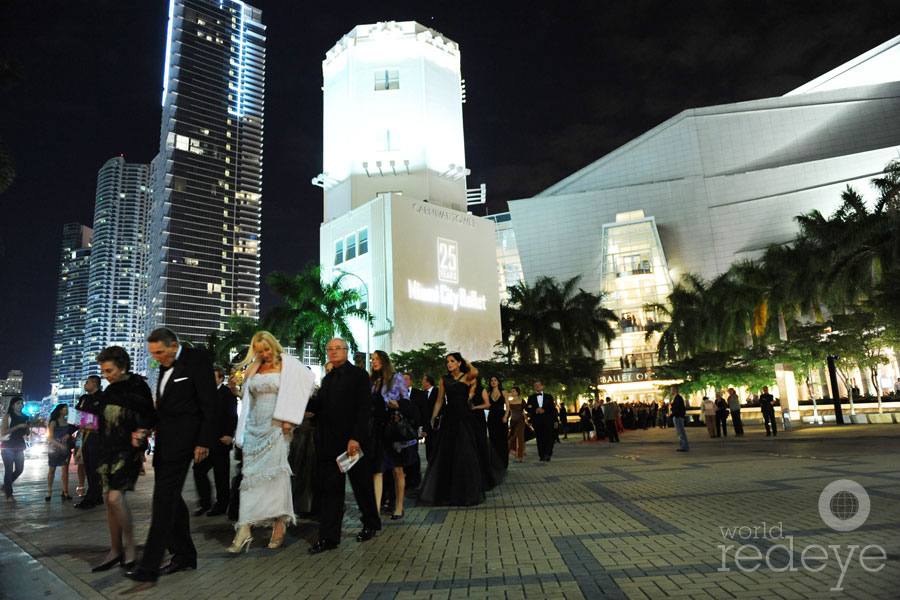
(338, 251)
(387, 79)
(363, 244)
(350, 245)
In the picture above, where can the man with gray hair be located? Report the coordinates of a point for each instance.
(343, 407)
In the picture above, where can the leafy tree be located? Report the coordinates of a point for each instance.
(430, 360)
(750, 368)
(313, 310)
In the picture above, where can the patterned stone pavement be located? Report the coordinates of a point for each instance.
(732, 518)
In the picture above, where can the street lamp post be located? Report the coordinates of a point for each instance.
(368, 300)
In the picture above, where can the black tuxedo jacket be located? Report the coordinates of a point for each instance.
(424, 403)
(550, 415)
(343, 408)
(185, 409)
(225, 418)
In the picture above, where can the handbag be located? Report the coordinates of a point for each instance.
(398, 428)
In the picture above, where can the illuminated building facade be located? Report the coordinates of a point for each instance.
(509, 265)
(395, 197)
(118, 279)
(718, 183)
(71, 308)
(207, 184)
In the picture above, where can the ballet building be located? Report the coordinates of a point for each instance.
(706, 188)
(395, 197)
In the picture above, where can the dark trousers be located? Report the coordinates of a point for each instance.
(736, 422)
(612, 431)
(769, 417)
(219, 461)
(431, 444)
(13, 465)
(331, 496)
(234, 504)
(413, 474)
(546, 436)
(721, 423)
(170, 527)
(90, 456)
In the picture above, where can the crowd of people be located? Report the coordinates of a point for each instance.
(295, 443)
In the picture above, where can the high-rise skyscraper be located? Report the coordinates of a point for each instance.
(207, 185)
(118, 279)
(71, 308)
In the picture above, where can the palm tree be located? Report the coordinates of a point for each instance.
(314, 311)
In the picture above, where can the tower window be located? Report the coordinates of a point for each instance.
(339, 251)
(387, 79)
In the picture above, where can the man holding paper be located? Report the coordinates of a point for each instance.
(343, 409)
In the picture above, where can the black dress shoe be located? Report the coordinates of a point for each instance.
(109, 564)
(173, 566)
(85, 504)
(201, 511)
(215, 512)
(365, 535)
(322, 546)
(141, 575)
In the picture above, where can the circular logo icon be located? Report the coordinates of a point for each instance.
(844, 505)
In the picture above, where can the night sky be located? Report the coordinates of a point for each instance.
(551, 87)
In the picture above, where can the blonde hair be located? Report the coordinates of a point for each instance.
(261, 337)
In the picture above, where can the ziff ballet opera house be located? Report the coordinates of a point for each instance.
(705, 189)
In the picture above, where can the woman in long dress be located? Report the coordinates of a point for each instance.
(276, 390)
(465, 467)
(498, 417)
(516, 424)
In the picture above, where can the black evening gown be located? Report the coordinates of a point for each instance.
(498, 431)
(465, 467)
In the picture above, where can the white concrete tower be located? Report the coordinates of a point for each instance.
(395, 198)
(393, 122)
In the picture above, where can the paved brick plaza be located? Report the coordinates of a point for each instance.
(634, 520)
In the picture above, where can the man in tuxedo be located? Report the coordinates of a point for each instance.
(542, 411)
(219, 459)
(185, 397)
(343, 408)
(413, 472)
(427, 398)
(90, 444)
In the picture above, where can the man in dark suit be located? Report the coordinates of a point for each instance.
(343, 408)
(413, 472)
(185, 396)
(219, 459)
(430, 397)
(544, 418)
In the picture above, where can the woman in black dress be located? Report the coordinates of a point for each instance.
(59, 449)
(465, 467)
(127, 406)
(498, 417)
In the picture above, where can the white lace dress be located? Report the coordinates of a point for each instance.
(266, 483)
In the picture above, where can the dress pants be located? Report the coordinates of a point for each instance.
(543, 431)
(769, 417)
(612, 431)
(721, 423)
(710, 425)
(219, 461)
(332, 484)
(90, 455)
(170, 524)
(736, 422)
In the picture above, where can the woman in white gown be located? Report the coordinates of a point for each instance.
(276, 389)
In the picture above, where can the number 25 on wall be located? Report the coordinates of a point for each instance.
(448, 263)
